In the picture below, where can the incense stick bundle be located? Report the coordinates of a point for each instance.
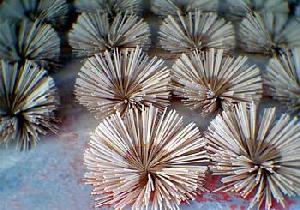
(196, 30)
(283, 78)
(172, 7)
(145, 159)
(211, 81)
(27, 103)
(268, 33)
(32, 41)
(242, 7)
(53, 12)
(109, 6)
(168, 7)
(256, 155)
(94, 33)
(120, 80)
(205, 5)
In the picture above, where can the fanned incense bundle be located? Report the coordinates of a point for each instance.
(94, 33)
(268, 33)
(110, 6)
(120, 80)
(196, 30)
(145, 159)
(242, 7)
(172, 7)
(283, 79)
(211, 81)
(258, 156)
(53, 12)
(27, 103)
(32, 41)
(205, 5)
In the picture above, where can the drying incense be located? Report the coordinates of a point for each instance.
(283, 79)
(29, 41)
(120, 80)
(27, 103)
(256, 155)
(242, 7)
(172, 7)
(145, 159)
(53, 12)
(94, 33)
(268, 33)
(196, 30)
(110, 6)
(211, 81)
